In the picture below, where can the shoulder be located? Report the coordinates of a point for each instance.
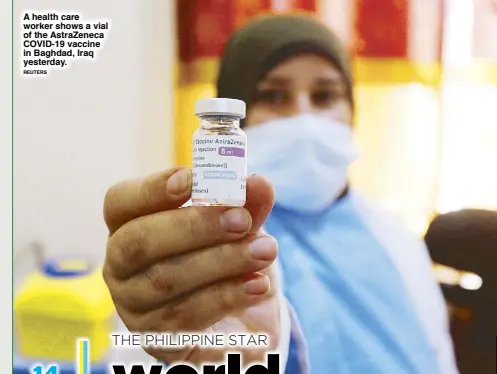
(406, 249)
(384, 223)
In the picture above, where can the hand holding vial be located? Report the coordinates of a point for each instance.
(196, 269)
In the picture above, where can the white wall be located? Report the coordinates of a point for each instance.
(80, 130)
(5, 181)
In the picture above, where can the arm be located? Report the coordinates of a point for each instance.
(292, 347)
(297, 362)
(432, 309)
(411, 258)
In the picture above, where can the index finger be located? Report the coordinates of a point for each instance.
(147, 239)
(135, 198)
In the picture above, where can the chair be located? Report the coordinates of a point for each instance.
(467, 240)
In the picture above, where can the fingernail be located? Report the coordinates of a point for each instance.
(235, 220)
(178, 182)
(263, 248)
(257, 286)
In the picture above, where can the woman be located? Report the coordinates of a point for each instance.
(360, 285)
(343, 272)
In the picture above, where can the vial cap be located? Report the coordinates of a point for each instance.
(220, 106)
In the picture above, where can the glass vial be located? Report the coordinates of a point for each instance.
(219, 154)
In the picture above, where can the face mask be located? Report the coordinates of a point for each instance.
(306, 157)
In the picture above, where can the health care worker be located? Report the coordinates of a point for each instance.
(355, 294)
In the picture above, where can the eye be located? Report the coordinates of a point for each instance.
(324, 98)
(272, 96)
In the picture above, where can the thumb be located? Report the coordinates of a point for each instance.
(260, 200)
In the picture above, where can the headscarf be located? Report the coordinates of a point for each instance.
(263, 43)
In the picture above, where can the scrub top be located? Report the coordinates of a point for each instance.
(352, 303)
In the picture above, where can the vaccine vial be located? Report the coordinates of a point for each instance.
(219, 154)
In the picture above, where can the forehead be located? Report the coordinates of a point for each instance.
(304, 67)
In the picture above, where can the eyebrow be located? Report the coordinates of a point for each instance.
(286, 81)
(277, 81)
(329, 81)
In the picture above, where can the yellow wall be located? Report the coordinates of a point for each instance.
(397, 131)
(468, 174)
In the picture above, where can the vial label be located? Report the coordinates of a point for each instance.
(219, 169)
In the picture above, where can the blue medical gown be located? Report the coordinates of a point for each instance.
(349, 298)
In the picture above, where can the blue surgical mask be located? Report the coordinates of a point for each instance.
(306, 158)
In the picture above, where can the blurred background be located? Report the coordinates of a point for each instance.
(425, 82)
(426, 122)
